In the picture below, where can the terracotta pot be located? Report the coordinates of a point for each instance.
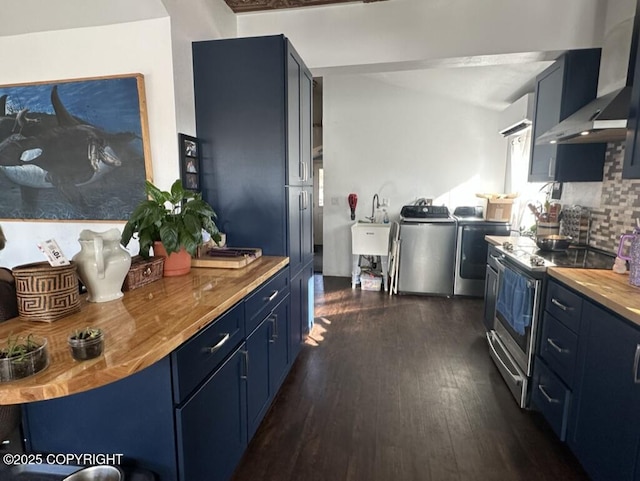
(176, 263)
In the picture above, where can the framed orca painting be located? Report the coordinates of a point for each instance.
(74, 149)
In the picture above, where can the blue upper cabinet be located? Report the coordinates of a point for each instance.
(299, 103)
(631, 167)
(253, 115)
(568, 84)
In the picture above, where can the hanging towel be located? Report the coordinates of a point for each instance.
(515, 300)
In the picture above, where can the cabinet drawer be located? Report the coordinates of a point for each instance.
(564, 305)
(265, 298)
(200, 355)
(558, 346)
(551, 397)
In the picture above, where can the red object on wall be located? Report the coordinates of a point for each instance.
(353, 202)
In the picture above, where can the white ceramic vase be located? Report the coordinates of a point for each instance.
(102, 264)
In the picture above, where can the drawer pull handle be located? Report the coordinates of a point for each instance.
(220, 343)
(635, 365)
(245, 374)
(560, 305)
(271, 297)
(274, 331)
(555, 346)
(548, 398)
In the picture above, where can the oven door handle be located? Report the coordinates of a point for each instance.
(499, 262)
(515, 377)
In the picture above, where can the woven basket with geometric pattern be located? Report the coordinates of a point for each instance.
(46, 293)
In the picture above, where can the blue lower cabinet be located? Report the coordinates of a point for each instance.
(605, 428)
(258, 375)
(133, 417)
(551, 397)
(189, 416)
(268, 353)
(301, 309)
(212, 424)
(279, 346)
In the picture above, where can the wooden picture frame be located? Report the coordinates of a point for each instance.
(74, 149)
(189, 162)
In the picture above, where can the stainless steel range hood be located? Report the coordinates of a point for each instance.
(605, 118)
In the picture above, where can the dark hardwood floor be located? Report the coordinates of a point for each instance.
(399, 388)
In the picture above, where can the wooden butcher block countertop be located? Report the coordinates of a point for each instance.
(605, 287)
(140, 329)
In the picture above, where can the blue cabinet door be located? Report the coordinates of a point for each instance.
(605, 427)
(212, 425)
(568, 84)
(279, 345)
(241, 119)
(258, 375)
(301, 309)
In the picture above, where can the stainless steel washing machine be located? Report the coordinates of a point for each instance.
(427, 250)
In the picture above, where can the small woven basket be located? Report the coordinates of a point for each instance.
(143, 272)
(46, 293)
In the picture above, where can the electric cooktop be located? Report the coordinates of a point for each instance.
(576, 257)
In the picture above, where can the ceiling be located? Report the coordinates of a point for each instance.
(240, 6)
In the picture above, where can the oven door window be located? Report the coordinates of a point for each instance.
(515, 305)
(474, 247)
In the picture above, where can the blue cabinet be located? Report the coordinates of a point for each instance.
(253, 101)
(587, 384)
(268, 361)
(605, 424)
(301, 309)
(211, 427)
(190, 415)
(299, 105)
(253, 116)
(554, 368)
(567, 85)
(631, 165)
(267, 313)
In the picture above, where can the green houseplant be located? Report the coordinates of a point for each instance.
(175, 218)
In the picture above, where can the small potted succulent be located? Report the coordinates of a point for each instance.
(86, 343)
(23, 356)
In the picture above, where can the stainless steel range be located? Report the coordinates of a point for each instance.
(471, 249)
(520, 270)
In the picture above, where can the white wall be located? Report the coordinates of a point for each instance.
(204, 20)
(399, 31)
(143, 46)
(402, 145)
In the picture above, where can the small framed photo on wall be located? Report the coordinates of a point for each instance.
(190, 162)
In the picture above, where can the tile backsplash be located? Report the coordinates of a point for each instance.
(619, 206)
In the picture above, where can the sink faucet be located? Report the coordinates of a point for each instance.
(375, 204)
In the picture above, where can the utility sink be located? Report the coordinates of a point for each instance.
(370, 239)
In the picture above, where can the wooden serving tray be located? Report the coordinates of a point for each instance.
(227, 257)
